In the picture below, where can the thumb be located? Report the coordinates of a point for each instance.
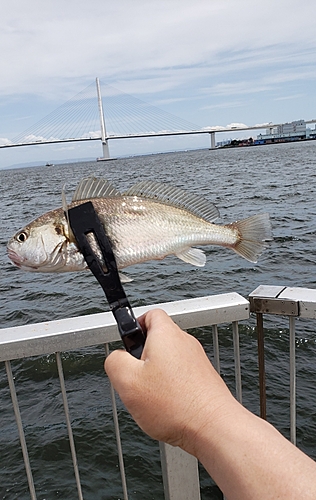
(120, 367)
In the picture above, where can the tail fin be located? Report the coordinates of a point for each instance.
(255, 233)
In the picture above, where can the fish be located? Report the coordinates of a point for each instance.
(149, 221)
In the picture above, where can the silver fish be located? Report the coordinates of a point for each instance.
(148, 221)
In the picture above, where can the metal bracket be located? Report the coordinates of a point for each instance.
(268, 300)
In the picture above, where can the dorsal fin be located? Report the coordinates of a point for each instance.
(92, 187)
(64, 201)
(176, 197)
(69, 232)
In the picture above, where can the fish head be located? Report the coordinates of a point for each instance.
(46, 245)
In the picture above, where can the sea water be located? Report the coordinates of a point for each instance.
(279, 179)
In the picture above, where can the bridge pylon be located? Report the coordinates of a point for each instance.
(105, 145)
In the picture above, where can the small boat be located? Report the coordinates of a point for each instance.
(105, 159)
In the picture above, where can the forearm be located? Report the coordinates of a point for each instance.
(249, 459)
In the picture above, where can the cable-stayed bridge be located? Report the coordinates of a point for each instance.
(88, 116)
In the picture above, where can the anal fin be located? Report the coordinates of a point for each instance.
(125, 278)
(193, 256)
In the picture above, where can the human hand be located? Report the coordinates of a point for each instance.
(173, 390)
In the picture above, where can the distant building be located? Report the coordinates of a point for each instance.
(294, 131)
(221, 144)
(285, 132)
(311, 133)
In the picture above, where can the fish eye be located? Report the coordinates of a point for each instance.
(22, 236)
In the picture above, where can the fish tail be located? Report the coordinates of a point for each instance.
(254, 234)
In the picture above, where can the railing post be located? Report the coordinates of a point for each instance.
(217, 365)
(20, 430)
(237, 362)
(284, 301)
(117, 434)
(261, 367)
(292, 381)
(179, 473)
(68, 423)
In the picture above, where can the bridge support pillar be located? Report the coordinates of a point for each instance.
(212, 137)
(106, 151)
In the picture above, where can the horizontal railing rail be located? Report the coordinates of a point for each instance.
(94, 329)
(179, 470)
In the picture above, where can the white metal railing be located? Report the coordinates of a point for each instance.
(179, 470)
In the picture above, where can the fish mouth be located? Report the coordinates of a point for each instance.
(19, 261)
(16, 259)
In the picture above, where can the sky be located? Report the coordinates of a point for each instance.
(210, 62)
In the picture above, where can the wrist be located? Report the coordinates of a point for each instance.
(214, 415)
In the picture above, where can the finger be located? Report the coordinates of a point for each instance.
(155, 319)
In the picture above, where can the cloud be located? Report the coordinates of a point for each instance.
(227, 127)
(225, 105)
(263, 125)
(258, 84)
(37, 138)
(96, 134)
(47, 48)
(237, 125)
(4, 141)
(65, 148)
(288, 97)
